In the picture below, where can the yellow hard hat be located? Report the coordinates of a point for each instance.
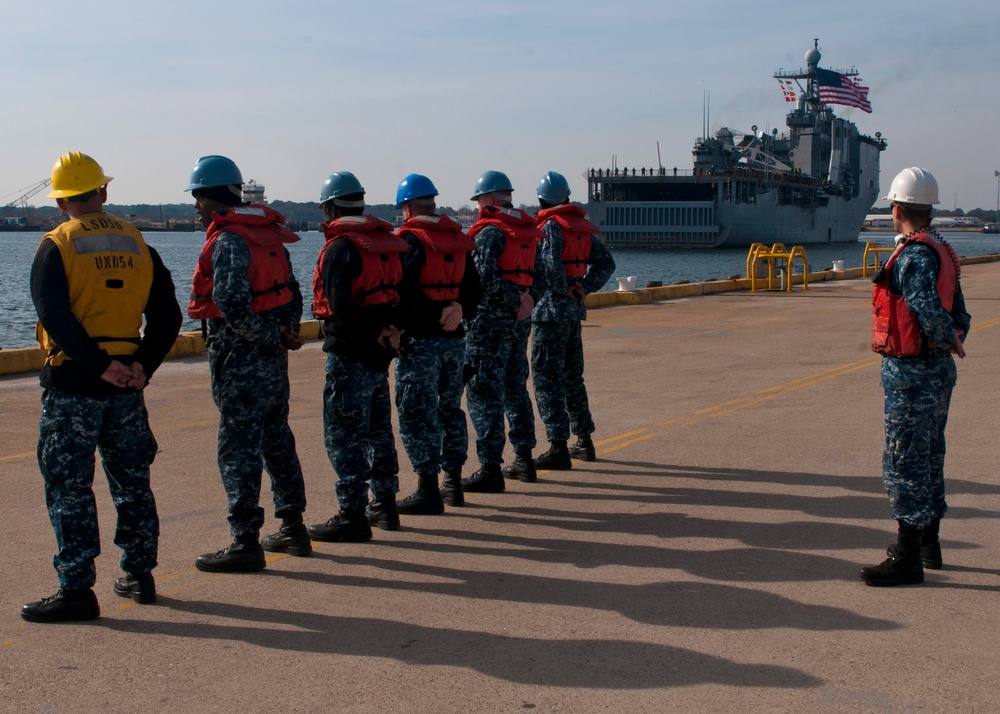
(75, 173)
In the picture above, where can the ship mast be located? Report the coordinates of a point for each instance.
(810, 93)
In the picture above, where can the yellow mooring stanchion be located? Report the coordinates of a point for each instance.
(777, 252)
(874, 250)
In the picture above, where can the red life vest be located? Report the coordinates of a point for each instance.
(381, 269)
(445, 248)
(576, 236)
(895, 330)
(518, 258)
(263, 231)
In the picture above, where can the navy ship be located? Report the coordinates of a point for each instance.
(813, 184)
(253, 192)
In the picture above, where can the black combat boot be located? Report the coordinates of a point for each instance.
(523, 468)
(426, 500)
(451, 488)
(67, 605)
(488, 479)
(930, 546)
(583, 449)
(348, 526)
(556, 458)
(244, 556)
(903, 566)
(384, 513)
(291, 538)
(140, 587)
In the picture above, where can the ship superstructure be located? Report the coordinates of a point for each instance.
(813, 184)
(253, 192)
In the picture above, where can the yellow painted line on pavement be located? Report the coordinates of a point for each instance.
(15, 457)
(626, 435)
(617, 443)
(982, 326)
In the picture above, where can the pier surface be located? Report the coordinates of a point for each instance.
(706, 562)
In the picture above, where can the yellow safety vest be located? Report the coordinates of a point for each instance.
(109, 272)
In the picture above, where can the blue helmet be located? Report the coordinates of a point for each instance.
(214, 171)
(341, 183)
(491, 181)
(553, 188)
(414, 186)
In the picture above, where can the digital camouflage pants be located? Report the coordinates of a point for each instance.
(71, 428)
(250, 388)
(357, 432)
(913, 459)
(432, 424)
(557, 368)
(498, 357)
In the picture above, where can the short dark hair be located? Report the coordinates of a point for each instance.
(920, 215)
(227, 195)
(84, 197)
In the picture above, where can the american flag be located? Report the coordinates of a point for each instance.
(836, 88)
(788, 89)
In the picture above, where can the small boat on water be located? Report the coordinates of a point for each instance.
(813, 184)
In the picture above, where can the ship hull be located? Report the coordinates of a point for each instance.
(837, 222)
(733, 217)
(734, 206)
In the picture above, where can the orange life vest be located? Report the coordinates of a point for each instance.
(517, 261)
(445, 248)
(263, 231)
(381, 269)
(895, 329)
(576, 236)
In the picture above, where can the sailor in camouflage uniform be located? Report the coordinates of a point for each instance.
(356, 294)
(919, 321)
(577, 264)
(93, 280)
(245, 289)
(445, 290)
(496, 344)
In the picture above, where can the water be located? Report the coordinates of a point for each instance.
(673, 266)
(180, 253)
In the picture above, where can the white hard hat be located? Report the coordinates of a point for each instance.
(913, 186)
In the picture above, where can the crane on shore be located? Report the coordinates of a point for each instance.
(22, 200)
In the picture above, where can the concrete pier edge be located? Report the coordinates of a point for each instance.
(29, 359)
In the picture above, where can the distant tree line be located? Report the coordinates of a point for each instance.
(304, 216)
(180, 216)
(982, 213)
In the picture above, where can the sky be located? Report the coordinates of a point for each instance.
(296, 90)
